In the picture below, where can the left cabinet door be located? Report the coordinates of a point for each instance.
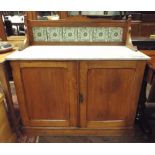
(47, 92)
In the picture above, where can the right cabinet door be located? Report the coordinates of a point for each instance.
(109, 93)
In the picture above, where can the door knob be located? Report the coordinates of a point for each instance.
(81, 98)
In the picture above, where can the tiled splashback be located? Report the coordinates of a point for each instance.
(78, 34)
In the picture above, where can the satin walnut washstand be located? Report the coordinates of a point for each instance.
(78, 77)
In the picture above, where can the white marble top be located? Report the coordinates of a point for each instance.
(77, 53)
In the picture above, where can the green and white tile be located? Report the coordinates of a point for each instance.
(85, 34)
(70, 34)
(39, 33)
(78, 34)
(54, 34)
(100, 34)
(115, 34)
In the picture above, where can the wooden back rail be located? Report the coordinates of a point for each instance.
(80, 31)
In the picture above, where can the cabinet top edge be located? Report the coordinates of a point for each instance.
(77, 53)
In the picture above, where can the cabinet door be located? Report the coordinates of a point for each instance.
(47, 92)
(109, 93)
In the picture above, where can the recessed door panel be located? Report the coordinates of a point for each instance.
(105, 94)
(49, 93)
(107, 89)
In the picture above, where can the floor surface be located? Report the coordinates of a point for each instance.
(138, 138)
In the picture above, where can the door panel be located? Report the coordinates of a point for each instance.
(49, 98)
(107, 88)
(46, 92)
(105, 99)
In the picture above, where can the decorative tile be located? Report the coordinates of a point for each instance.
(54, 34)
(70, 34)
(100, 34)
(39, 33)
(115, 34)
(85, 34)
(78, 34)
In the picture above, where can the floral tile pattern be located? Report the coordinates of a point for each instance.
(84, 34)
(69, 34)
(115, 34)
(78, 34)
(101, 34)
(39, 33)
(54, 34)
